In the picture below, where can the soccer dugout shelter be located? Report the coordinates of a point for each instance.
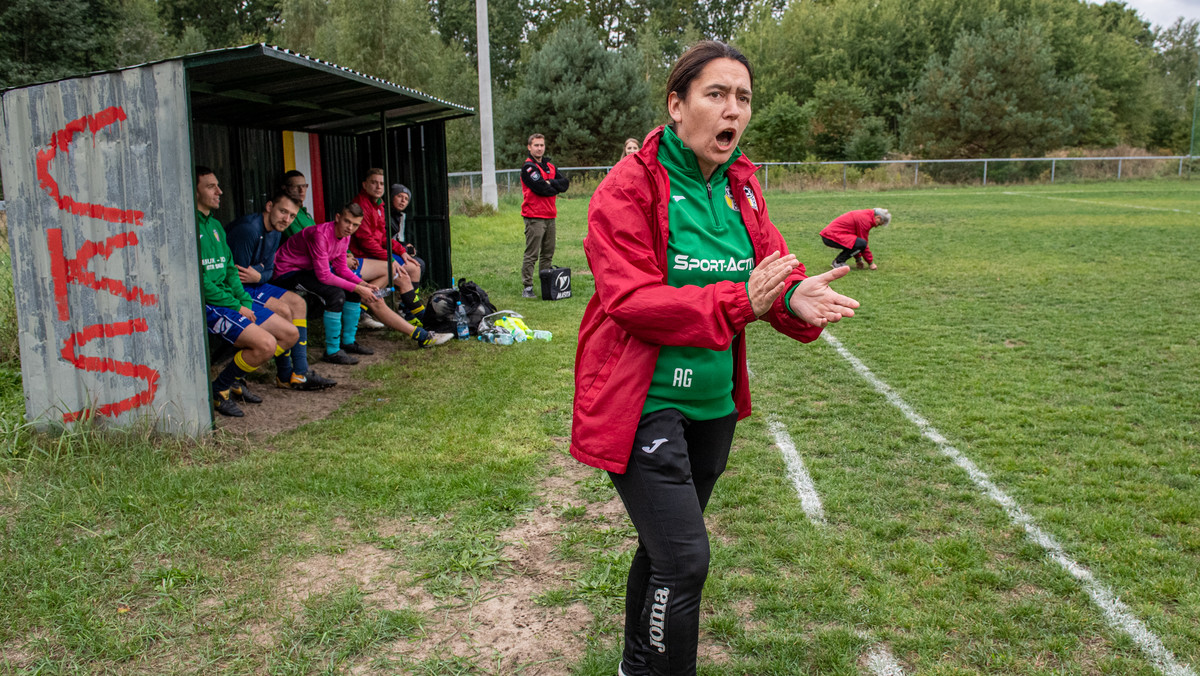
(99, 183)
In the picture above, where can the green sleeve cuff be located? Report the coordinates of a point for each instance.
(787, 299)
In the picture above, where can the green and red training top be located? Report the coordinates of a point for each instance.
(707, 242)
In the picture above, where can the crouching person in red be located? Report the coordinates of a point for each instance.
(314, 261)
(850, 231)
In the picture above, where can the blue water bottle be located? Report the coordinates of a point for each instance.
(460, 319)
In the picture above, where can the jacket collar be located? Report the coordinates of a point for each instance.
(545, 161)
(739, 172)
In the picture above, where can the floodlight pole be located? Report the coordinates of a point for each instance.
(486, 142)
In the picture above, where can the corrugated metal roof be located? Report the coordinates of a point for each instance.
(268, 87)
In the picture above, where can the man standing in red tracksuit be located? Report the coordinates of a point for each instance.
(540, 184)
(849, 232)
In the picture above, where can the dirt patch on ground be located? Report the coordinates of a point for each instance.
(13, 654)
(266, 419)
(378, 572)
(362, 565)
(499, 626)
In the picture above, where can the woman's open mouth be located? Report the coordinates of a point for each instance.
(725, 138)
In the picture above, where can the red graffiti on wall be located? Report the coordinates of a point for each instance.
(64, 271)
(61, 141)
(75, 270)
(107, 365)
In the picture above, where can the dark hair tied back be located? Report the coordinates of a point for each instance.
(688, 67)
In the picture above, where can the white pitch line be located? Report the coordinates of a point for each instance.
(1106, 204)
(879, 659)
(1115, 611)
(809, 500)
(881, 662)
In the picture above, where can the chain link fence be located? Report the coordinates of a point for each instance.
(466, 186)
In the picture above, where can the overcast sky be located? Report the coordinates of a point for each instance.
(1164, 12)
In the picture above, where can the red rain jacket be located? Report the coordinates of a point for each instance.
(634, 311)
(367, 241)
(845, 228)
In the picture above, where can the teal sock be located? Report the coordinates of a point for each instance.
(333, 332)
(350, 313)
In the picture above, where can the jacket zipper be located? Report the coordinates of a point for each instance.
(712, 210)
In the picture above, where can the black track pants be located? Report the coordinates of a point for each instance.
(859, 245)
(671, 473)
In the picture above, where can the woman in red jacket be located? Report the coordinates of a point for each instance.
(684, 257)
(849, 232)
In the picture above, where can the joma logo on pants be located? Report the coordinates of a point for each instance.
(658, 617)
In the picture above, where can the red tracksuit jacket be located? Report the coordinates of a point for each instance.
(634, 311)
(845, 228)
(367, 241)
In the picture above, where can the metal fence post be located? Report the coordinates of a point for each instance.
(1181, 167)
(844, 178)
(1119, 168)
(1052, 170)
(916, 173)
(985, 172)
(766, 177)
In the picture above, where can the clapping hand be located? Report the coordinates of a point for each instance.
(816, 303)
(766, 282)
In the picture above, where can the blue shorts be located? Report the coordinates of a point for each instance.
(396, 257)
(263, 292)
(229, 323)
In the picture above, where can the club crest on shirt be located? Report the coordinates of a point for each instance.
(535, 175)
(729, 199)
(750, 197)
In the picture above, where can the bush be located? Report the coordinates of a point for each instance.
(468, 205)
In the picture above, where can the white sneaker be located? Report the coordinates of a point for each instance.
(369, 323)
(620, 671)
(441, 338)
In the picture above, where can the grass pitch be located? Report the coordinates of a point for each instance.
(1048, 333)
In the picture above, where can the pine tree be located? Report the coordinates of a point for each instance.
(997, 95)
(585, 99)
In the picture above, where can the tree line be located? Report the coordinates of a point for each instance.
(834, 79)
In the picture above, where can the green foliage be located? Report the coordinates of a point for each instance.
(223, 23)
(47, 40)
(395, 41)
(1177, 70)
(507, 21)
(885, 47)
(836, 109)
(779, 131)
(658, 45)
(997, 95)
(870, 140)
(585, 99)
(140, 35)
